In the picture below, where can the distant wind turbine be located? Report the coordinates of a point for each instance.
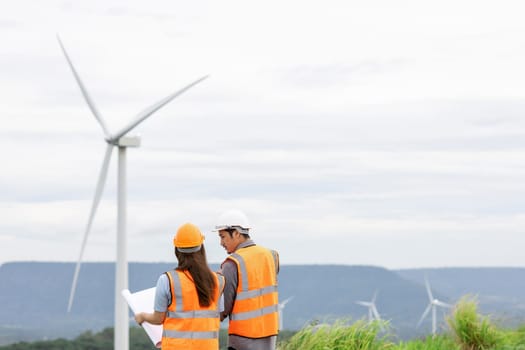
(120, 140)
(373, 314)
(432, 305)
(281, 311)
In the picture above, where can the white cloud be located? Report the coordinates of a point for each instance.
(384, 127)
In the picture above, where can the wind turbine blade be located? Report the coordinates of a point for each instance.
(85, 93)
(150, 110)
(374, 297)
(364, 303)
(429, 291)
(283, 303)
(442, 304)
(94, 206)
(425, 313)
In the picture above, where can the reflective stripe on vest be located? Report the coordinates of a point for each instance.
(177, 288)
(189, 335)
(242, 272)
(193, 314)
(256, 292)
(241, 316)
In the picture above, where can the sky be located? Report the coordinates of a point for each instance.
(386, 133)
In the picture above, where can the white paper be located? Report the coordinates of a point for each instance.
(142, 301)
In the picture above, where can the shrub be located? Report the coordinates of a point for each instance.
(471, 330)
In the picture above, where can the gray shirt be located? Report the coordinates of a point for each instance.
(162, 294)
(229, 271)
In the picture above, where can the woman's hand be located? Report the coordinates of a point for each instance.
(140, 317)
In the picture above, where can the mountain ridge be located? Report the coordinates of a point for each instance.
(34, 294)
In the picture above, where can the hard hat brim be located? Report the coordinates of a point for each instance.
(190, 249)
(243, 230)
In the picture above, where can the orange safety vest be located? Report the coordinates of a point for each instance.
(187, 324)
(255, 312)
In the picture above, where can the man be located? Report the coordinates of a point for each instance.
(250, 294)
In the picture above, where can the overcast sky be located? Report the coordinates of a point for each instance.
(388, 133)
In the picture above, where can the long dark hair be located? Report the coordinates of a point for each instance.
(202, 276)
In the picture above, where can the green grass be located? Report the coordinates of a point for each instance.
(342, 335)
(471, 330)
(468, 330)
(439, 342)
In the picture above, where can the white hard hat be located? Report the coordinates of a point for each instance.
(233, 219)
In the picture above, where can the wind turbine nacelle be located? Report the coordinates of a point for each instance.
(128, 141)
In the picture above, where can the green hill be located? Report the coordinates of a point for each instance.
(34, 295)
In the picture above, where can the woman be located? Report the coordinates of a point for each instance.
(187, 298)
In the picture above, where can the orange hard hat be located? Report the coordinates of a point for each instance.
(188, 238)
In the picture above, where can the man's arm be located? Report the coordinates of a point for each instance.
(229, 271)
(277, 258)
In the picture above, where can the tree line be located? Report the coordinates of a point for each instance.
(103, 340)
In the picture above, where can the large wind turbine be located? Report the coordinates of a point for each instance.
(281, 306)
(432, 305)
(373, 314)
(120, 140)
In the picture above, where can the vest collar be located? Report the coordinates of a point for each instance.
(247, 243)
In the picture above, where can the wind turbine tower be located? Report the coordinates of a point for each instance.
(433, 303)
(281, 311)
(122, 142)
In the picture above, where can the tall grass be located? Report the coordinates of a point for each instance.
(468, 330)
(360, 335)
(439, 342)
(513, 340)
(471, 330)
